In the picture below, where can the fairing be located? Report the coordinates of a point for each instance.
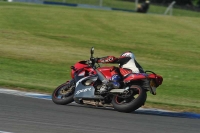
(134, 76)
(157, 78)
(83, 91)
(81, 67)
(106, 71)
(139, 76)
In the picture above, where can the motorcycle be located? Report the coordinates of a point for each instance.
(89, 78)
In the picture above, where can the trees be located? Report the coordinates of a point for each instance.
(197, 2)
(178, 2)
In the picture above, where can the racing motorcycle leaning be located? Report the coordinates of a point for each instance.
(88, 80)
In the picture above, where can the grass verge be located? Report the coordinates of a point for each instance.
(38, 44)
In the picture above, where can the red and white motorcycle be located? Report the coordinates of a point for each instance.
(88, 78)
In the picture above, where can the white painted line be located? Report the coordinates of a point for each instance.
(5, 132)
(25, 94)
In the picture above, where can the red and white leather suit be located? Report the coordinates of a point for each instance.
(126, 61)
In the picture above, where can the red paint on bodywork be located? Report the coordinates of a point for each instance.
(106, 71)
(109, 71)
(81, 65)
(157, 78)
(134, 76)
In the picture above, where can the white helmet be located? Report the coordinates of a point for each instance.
(128, 54)
(147, 1)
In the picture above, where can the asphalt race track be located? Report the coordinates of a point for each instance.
(30, 115)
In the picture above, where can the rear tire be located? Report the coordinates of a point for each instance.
(130, 103)
(63, 94)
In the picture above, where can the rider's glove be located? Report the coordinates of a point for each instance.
(89, 62)
(93, 60)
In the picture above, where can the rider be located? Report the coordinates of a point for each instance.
(143, 8)
(127, 64)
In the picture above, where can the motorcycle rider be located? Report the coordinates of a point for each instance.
(143, 8)
(127, 64)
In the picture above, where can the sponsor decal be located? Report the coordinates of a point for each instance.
(83, 90)
(106, 59)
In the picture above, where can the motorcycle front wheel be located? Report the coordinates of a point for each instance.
(130, 101)
(63, 94)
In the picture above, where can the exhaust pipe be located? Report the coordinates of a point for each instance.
(117, 90)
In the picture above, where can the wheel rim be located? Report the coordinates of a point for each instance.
(63, 92)
(128, 97)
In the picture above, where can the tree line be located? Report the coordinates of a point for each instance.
(178, 2)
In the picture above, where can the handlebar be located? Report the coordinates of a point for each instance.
(92, 60)
(92, 52)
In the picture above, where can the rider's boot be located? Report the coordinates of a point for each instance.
(109, 86)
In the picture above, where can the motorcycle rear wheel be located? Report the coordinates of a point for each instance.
(130, 103)
(63, 94)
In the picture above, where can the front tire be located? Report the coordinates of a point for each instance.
(63, 94)
(129, 102)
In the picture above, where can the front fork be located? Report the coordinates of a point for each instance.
(71, 84)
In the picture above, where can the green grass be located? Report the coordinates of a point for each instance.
(38, 44)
